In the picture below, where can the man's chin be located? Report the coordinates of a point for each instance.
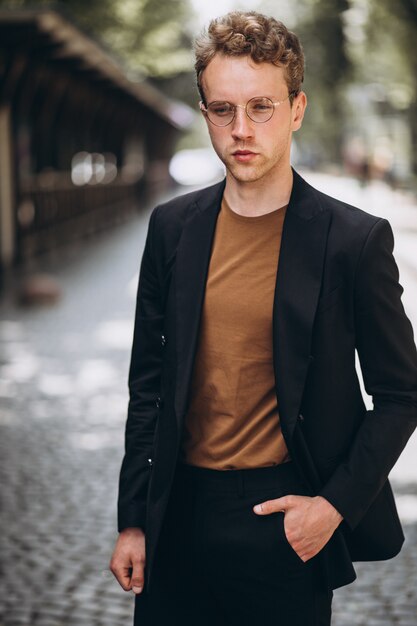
(244, 174)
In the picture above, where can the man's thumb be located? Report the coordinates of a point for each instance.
(271, 506)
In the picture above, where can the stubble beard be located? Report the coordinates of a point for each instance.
(251, 173)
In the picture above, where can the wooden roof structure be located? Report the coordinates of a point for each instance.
(50, 37)
(62, 96)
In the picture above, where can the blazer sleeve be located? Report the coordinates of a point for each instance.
(144, 385)
(387, 354)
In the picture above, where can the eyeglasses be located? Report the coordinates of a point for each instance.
(258, 109)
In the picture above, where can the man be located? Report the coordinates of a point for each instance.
(253, 474)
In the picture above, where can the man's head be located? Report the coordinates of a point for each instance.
(249, 71)
(251, 34)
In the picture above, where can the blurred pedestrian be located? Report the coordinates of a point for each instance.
(253, 473)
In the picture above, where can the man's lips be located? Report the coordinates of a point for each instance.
(244, 155)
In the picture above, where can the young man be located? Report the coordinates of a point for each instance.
(253, 474)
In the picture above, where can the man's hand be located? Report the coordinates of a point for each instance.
(308, 522)
(128, 559)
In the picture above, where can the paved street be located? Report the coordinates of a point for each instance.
(63, 399)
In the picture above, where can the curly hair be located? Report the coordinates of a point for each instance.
(248, 33)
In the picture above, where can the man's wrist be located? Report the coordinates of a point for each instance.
(331, 511)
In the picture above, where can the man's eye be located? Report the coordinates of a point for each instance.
(221, 109)
(261, 106)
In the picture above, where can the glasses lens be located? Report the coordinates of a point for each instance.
(260, 109)
(220, 113)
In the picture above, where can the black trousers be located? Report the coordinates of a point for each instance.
(220, 564)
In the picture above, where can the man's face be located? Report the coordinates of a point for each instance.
(252, 151)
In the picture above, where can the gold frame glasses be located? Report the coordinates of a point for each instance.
(259, 109)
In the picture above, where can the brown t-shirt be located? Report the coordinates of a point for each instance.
(232, 421)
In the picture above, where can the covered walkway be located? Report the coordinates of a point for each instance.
(81, 141)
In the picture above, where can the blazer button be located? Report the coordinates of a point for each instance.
(163, 340)
(150, 462)
(158, 402)
(301, 418)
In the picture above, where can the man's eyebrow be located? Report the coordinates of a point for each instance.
(257, 95)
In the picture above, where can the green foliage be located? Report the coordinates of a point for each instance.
(320, 27)
(391, 58)
(148, 34)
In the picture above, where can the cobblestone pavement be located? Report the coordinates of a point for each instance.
(63, 399)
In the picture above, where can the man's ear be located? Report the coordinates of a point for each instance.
(298, 109)
(203, 110)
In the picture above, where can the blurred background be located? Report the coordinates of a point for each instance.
(98, 122)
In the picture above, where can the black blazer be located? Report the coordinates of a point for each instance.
(337, 290)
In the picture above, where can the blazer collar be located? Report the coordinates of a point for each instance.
(304, 200)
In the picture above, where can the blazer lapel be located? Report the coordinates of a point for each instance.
(191, 269)
(297, 289)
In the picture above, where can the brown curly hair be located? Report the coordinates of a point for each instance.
(264, 39)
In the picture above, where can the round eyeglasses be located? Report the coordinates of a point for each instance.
(258, 109)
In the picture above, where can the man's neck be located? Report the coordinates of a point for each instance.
(258, 197)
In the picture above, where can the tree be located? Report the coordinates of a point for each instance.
(328, 71)
(392, 31)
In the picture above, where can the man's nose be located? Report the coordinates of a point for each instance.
(242, 125)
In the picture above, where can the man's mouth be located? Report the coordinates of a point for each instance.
(244, 155)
